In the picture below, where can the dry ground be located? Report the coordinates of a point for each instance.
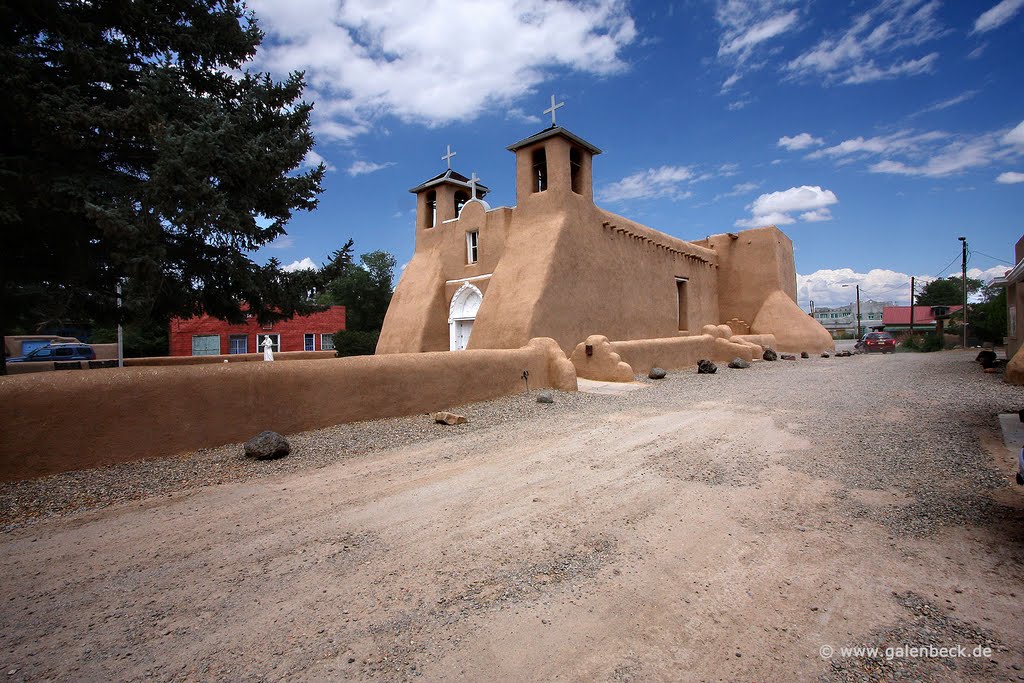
(705, 528)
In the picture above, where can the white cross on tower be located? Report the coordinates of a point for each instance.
(552, 109)
(472, 184)
(448, 157)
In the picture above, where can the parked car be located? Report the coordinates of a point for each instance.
(57, 352)
(876, 341)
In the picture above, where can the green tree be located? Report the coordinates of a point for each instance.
(988, 319)
(947, 291)
(364, 290)
(138, 151)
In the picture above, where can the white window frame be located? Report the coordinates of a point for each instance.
(236, 337)
(275, 337)
(310, 337)
(329, 339)
(472, 246)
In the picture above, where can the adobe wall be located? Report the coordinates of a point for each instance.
(145, 412)
(47, 366)
(1015, 299)
(757, 284)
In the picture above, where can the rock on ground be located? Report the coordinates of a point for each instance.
(267, 446)
(446, 418)
(706, 367)
(739, 364)
(657, 373)
(804, 354)
(769, 354)
(545, 397)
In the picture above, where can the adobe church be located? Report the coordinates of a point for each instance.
(556, 265)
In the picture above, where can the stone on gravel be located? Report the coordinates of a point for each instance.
(267, 446)
(769, 354)
(445, 418)
(657, 373)
(545, 397)
(804, 354)
(706, 367)
(825, 355)
(787, 356)
(739, 364)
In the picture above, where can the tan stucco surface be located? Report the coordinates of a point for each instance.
(143, 412)
(1015, 368)
(558, 266)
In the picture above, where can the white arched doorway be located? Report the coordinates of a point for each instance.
(461, 315)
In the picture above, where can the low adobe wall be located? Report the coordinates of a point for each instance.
(620, 361)
(47, 366)
(59, 421)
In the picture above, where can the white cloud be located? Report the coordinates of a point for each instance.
(825, 287)
(774, 208)
(902, 141)
(520, 116)
(1015, 136)
(738, 189)
(364, 59)
(946, 104)
(748, 36)
(665, 181)
(988, 274)
(883, 34)
(801, 141)
(304, 264)
(1010, 178)
(955, 157)
(282, 242)
(738, 104)
(730, 81)
(977, 52)
(312, 160)
(363, 167)
(997, 15)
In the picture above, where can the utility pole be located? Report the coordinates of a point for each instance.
(911, 305)
(858, 311)
(963, 280)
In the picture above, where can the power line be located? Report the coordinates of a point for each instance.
(980, 253)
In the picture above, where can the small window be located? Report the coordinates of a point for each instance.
(326, 342)
(238, 343)
(309, 342)
(472, 246)
(575, 166)
(540, 170)
(681, 302)
(42, 353)
(460, 201)
(431, 209)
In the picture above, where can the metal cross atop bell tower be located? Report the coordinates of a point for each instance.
(448, 157)
(552, 109)
(472, 184)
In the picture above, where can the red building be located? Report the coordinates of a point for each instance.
(206, 336)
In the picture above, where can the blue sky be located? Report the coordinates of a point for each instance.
(872, 133)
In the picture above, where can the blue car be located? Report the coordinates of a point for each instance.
(57, 352)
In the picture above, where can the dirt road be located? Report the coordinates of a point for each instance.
(703, 528)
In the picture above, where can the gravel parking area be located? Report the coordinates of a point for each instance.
(706, 527)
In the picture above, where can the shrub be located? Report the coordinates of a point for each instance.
(355, 343)
(922, 342)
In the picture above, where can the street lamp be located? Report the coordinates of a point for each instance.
(858, 309)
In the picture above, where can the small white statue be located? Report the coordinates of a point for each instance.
(268, 348)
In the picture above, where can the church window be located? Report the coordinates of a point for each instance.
(472, 246)
(431, 209)
(681, 300)
(460, 201)
(540, 171)
(575, 162)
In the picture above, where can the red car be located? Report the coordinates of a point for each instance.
(877, 341)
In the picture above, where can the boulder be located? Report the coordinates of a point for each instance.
(444, 418)
(769, 354)
(787, 356)
(804, 354)
(657, 373)
(739, 364)
(267, 446)
(545, 397)
(706, 367)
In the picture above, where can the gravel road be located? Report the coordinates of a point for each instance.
(705, 527)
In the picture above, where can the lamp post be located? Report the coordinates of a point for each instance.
(858, 309)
